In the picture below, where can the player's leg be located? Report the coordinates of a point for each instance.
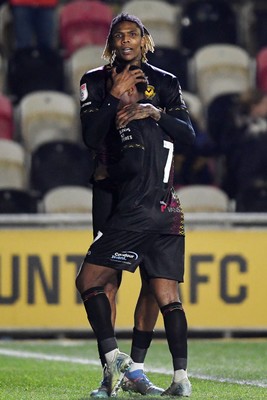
(169, 270)
(103, 252)
(147, 309)
(175, 324)
(104, 200)
(90, 283)
(145, 318)
(45, 27)
(110, 290)
(23, 26)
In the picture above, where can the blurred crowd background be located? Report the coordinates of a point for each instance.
(218, 51)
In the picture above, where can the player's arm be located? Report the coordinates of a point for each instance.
(97, 114)
(178, 127)
(175, 119)
(176, 123)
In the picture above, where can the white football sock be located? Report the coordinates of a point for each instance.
(135, 366)
(111, 355)
(179, 375)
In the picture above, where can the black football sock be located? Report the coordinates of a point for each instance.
(176, 333)
(98, 312)
(140, 343)
(101, 354)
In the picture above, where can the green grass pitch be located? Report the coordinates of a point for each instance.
(69, 369)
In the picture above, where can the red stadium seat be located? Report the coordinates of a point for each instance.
(84, 22)
(261, 69)
(6, 118)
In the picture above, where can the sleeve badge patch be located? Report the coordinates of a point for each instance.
(83, 92)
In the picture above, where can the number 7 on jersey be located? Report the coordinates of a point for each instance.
(169, 146)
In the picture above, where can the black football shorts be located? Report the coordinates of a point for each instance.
(159, 256)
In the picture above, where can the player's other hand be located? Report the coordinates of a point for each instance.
(125, 80)
(134, 111)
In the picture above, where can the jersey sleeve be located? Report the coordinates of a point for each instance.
(175, 120)
(97, 109)
(132, 154)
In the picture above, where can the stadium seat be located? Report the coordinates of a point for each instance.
(44, 116)
(160, 18)
(207, 22)
(84, 22)
(30, 70)
(13, 165)
(203, 198)
(219, 112)
(80, 61)
(221, 69)
(68, 199)
(59, 163)
(195, 108)
(253, 198)
(172, 60)
(6, 118)
(17, 201)
(261, 69)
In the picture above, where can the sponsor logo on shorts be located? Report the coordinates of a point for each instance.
(124, 256)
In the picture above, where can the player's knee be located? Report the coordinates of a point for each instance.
(112, 286)
(168, 308)
(83, 280)
(111, 290)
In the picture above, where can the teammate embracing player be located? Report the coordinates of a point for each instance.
(101, 92)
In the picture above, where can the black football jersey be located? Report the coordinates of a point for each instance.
(98, 109)
(147, 200)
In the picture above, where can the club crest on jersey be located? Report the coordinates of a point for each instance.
(83, 92)
(150, 92)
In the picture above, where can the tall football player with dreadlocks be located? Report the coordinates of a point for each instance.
(101, 89)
